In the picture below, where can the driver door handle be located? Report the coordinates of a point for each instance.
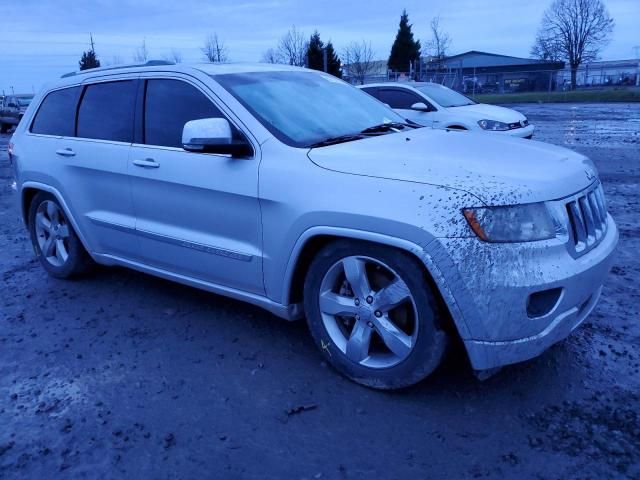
(146, 163)
(65, 152)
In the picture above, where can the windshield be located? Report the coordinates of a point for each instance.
(445, 96)
(24, 101)
(304, 108)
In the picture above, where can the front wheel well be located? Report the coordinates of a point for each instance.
(27, 197)
(315, 244)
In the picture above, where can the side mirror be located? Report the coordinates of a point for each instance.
(420, 107)
(213, 135)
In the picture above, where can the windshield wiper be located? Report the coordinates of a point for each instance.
(385, 127)
(335, 140)
(381, 128)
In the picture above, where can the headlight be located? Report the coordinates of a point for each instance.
(493, 125)
(517, 223)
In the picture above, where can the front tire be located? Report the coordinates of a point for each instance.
(373, 314)
(54, 241)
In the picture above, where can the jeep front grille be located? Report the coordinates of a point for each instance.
(587, 219)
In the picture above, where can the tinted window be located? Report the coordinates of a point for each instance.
(57, 113)
(169, 105)
(106, 111)
(397, 98)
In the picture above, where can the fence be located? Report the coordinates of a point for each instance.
(472, 83)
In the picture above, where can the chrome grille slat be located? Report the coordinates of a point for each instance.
(587, 218)
(597, 214)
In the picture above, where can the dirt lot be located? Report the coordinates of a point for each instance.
(122, 375)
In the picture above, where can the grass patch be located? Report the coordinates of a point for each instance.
(630, 94)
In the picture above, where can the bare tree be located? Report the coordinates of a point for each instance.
(579, 29)
(292, 48)
(141, 54)
(174, 56)
(271, 56)
(358, 60)
(438, 45)
(115, 60)
(547, 48)
(214, 50)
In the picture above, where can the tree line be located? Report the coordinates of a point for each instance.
(573, 31)
(357, 59)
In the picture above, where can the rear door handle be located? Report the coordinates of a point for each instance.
(66, 152)
(146, 163)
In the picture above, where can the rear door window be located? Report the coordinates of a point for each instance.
(106, 111)
(57, 113)
(398, 98)
(169, 104)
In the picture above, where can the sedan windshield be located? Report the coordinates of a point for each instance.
(306, 108)
(445, 96)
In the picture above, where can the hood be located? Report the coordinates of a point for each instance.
(497, 169)
(482, 111)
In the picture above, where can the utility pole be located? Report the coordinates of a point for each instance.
(324, 59)
(92, 45)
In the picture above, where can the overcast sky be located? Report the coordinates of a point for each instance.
(42, 39)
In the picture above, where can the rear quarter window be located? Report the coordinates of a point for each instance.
(57, 113)
(106, 111)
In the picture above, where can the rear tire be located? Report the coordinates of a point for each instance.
(373, 315)
(54, 240)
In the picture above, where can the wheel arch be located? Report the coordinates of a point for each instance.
(30, 189)
(314, 239)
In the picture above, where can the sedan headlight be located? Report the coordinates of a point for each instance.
(493, 125)
(516, 223)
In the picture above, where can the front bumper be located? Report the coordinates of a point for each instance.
(491, 284)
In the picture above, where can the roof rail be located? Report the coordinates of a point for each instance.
(149, 63)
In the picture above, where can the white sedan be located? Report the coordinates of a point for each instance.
(437, 106)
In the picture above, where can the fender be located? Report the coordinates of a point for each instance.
(67, 211)
(423, 252)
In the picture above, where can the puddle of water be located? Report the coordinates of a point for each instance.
(602, 124)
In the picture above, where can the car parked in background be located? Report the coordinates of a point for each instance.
(293, 190)
(437, 106)
(12, 109)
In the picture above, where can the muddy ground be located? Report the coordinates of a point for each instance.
(122, 375)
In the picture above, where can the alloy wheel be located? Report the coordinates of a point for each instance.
(368, 311)
(52, 233)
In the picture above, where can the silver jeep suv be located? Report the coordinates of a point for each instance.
(295, 191)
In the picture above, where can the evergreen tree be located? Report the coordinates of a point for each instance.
(315, 56)
(405, 49)
(334, 66)
(89, 60)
